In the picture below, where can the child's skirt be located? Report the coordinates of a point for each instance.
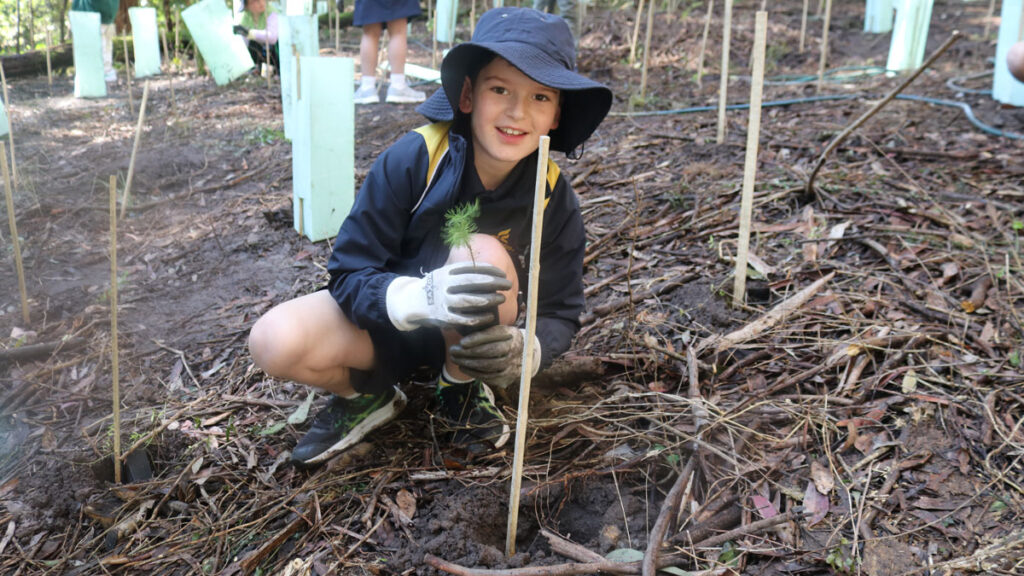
(374, 11)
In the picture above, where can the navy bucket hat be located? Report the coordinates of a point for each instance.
(541, 46)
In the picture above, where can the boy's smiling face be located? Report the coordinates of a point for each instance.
(509, 113)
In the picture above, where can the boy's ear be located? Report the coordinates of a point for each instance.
(466, 97)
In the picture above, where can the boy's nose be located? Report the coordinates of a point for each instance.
(516, 108)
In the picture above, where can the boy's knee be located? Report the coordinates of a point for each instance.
(267, 349)
(487, 249)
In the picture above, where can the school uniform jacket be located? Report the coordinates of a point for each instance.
(395, 226)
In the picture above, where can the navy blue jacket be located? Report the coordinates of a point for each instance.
(395, 225)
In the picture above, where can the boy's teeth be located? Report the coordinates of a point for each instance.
(512, 132)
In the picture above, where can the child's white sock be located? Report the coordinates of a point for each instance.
(368, 83)
(398, 80)
(448, 380)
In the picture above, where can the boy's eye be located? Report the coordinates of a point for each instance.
(499, 90)
(542, 98)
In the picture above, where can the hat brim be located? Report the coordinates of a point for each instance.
(585, 102)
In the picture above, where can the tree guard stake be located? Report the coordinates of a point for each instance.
(14, 233)
(115, 385)
(724, 80)
(531, 330)
(750, 165)
(135, 149)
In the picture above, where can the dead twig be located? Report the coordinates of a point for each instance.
(809, 189)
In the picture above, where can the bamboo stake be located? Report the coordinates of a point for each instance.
(750, 165)
(167, 54)
(49, 68)
(647, 50)
(266, 66)
(803, 27)
(337, 30)
(988, 18)
(724, 82)
(636, 32)
(704, 44)
(135, 149)
(177, 36)
(824, 44)
(10, 127)
(433, 38)
(472, 17)
(531, 329)
(14, 233)
(809, 189)
(128, 75)
(114, 376)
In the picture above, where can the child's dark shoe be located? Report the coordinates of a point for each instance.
(470, 416)
(343, 423)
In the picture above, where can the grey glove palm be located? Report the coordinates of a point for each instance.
(495, 355)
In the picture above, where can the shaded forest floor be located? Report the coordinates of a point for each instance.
(880, 423)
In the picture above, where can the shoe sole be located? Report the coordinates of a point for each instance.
(378, 418)
(373, 100)
(503, 438)
(391, 100)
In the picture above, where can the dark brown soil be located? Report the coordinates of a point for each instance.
(208, 246)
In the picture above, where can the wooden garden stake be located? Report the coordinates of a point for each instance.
(636, 32)
(167, 54)
(803, 27)
(531, 329)
(266, 66)
(10, 127)
(135, 149)
(337, 30)
(647, 50)
(14, 233)
(115, 385)
(177, 35)
(988, 18)
(704, 43)
(750, 165)
(724, 83)
(49, 68)
(824, 44)
(472, 17)
(128, 75)
(809, 189)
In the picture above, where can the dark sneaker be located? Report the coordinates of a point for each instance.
(343, 423)
(469, 412)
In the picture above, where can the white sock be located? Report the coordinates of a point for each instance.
(368, 83)
(449, 379)
(398, 80)
(351, 396)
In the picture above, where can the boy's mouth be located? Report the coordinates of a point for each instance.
(511, 131)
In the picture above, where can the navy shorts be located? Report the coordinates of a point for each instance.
(380, 11)
(419, 353)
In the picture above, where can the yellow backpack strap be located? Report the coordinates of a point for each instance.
(436, 138)
(553, 172)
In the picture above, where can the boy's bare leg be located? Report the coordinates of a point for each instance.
(309, 340)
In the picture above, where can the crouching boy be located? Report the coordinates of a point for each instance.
(399, 298)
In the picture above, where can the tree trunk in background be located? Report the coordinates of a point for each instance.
(17, 27)
(63, 16)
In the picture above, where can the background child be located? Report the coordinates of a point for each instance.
(381, 318)
(257, 23)
(372, 15)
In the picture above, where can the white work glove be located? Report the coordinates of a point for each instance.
(495, 355)
(460, 294)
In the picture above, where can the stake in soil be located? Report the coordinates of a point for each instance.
(750, 165)
(531, 330)
(14, 233)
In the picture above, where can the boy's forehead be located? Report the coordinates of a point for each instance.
(501, 66)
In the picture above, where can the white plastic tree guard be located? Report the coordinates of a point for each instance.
(209, 22)
(87, 50)
(323, 146)
(1006, 88)
(145, 41)
(909, 34)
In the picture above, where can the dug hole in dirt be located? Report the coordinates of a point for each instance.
(874, 428)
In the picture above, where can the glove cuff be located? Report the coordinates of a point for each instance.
(403, 294)
(535, 363)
